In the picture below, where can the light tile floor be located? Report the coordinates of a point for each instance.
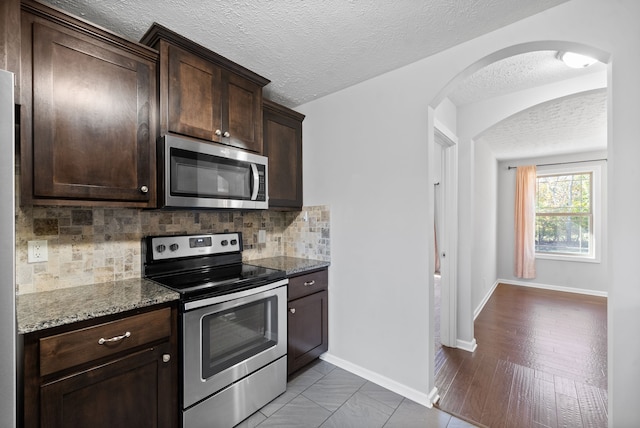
(323, 395)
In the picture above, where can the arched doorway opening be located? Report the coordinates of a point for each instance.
(463, 306)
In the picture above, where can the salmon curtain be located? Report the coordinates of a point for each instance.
(525, 219)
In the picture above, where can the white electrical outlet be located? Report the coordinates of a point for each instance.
(262, 236)
(37, 251)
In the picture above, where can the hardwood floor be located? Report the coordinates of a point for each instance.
(541, 361)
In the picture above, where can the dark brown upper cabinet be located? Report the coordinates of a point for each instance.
(283, 147)
(88, 115)
(205, 95)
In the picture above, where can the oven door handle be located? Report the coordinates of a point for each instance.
(256, 182)
(196, 304)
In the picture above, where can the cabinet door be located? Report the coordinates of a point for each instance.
(133, 391)
(243, 113)
(92, 113)
(195, 96)
(307, 330)
(283, 147)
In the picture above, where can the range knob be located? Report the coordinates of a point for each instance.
(234, 242)
(160, 248)
(174, 247)
(224, 243)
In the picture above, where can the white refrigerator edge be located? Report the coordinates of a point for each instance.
(8, 330)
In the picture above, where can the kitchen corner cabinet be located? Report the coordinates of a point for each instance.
(283, 147)
(205, 95)
(307, 318)
(88, 113)
(103, 374)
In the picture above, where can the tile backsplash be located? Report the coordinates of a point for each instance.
(93, 245)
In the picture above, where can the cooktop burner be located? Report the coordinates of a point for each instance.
(203, 265)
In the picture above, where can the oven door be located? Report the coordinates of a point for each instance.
(226, 338)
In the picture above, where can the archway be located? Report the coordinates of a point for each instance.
(466, 210)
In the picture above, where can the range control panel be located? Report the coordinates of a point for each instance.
(172, 247)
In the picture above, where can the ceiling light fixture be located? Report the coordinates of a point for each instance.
(575, 60)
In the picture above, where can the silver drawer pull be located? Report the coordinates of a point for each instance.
(309, 283)
(292, 310)
(102, 340)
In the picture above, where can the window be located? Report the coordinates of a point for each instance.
(566, 220)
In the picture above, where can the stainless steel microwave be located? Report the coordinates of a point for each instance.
(199, 174)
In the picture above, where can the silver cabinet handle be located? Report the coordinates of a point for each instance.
(226, 134)
(144, 189)
(102, 340)
(292, 310)
(166, 358)
(309, 283)
(218, 132)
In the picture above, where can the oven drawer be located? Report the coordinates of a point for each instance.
(70, 349)
(303, 285)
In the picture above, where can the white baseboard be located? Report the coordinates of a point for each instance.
(485, 300)
(419, 397)
(555, 288)
(433, 396)
(468, 346)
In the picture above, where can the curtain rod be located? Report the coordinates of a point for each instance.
(563, 163)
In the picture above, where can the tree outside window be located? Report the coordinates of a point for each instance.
(564, 214)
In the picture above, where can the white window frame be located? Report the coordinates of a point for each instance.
(596, 207)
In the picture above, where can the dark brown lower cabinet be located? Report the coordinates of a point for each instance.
(307, 319)
(116, 371)
(120, 393)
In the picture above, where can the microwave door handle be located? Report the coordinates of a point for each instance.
(256, 182)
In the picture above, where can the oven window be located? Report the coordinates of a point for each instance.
(234, 335)
(201, 175)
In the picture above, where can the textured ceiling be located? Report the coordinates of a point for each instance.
(312, 48)
(571, 124)
(517, 73)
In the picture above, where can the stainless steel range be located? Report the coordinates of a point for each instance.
(232, 321)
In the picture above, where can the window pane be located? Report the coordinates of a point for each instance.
(564, 193)
(558, 234)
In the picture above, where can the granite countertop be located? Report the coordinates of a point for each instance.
(291, 265)
(38, 311)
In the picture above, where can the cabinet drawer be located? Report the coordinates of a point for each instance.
(80, 346)
(309, 283)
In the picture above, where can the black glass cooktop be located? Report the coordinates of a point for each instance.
(218, 280)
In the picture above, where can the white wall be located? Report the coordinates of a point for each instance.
(485, 193)
(446, 113)
(584, 276)
(365, 155)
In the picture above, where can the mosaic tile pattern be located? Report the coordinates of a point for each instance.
(96, 245)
